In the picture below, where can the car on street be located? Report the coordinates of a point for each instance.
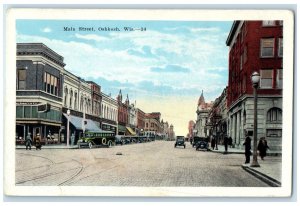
(202, 144)
(97, 139)
(180, 141)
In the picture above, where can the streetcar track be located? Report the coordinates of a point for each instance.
(74, 176)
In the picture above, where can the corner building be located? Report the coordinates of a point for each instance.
(255, 46)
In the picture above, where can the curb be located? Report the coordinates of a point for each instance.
(274, 154)
(269, 180)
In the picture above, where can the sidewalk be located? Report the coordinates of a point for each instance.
(270, 169)
(50, 146)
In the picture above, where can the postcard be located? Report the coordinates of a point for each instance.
(152, 103)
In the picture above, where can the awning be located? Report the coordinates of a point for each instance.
(130, 131)
(77, 122)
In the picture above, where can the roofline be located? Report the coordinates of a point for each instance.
(232, 32)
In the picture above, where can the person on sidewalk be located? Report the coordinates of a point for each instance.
(28, 141)
(230, 142)
(247, 144)
(262, 147)
(213, 142)
(225, 144)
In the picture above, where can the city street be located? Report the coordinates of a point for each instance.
(148, 164)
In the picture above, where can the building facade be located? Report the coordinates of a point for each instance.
(39, 91)
(153, 125)
(203, 109)
(109, 114)
(122, 114)
(255, 46)
(140, 119)
(191, 127)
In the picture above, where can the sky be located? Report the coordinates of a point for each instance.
(163, 66)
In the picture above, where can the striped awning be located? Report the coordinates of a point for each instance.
(130, 131)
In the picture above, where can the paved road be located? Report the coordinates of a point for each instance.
(149, 164)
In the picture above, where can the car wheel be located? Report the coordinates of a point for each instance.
(90, 145)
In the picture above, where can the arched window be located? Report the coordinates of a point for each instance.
(71, 96)
(66, 96)
(274, 115)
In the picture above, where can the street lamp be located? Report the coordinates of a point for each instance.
(255, 78)
(68, 127)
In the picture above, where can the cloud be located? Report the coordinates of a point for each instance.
(46, 30)
(208, 29)
(170, 68)
(91, 37)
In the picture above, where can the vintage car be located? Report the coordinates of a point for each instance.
(180, 141)
(202, 143)
(97, 139)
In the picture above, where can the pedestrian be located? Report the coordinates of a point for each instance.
(38, 142)
(28, 141)
(230, 141)
(225, 144)
(247, 144)
(213, 142)
(262, 147)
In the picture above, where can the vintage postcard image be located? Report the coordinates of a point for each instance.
(148, 102)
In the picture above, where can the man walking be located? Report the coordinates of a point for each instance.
(247, 144)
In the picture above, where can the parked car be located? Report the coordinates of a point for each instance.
(202, 144)
(179, 141)
(97, 139)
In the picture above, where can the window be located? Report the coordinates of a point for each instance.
(280, 47)
(279, 79)
(268, 23)
(241, 62)
(274, 133)
(267, 47)
(66, 95)
(274, 115)
(146, 124)
(245, 55)
(266, 78)
(51, 84)
(21, 75)
(71, 96)
(75, 100)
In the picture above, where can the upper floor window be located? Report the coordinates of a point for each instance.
(279, 79)
(268, 23)
(241, 62)
(51, 84)
(266, 80)
(21, 79)
(274, 115)
(267, 47)
(280, 47)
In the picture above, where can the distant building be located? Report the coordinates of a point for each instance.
(203, 109)
(171, 133)
(255, 46)
(140, 118)
(109, 113)
(123, 116)
(191, 126)
(152, 124)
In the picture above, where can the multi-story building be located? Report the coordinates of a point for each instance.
(152, 124)
(39, 91)
(191, 126)
(122, 114)
(78, 99)
(171, 133)
(96, 98)
(109, 114)
(132, 115)
(166, 130)
(203, 109)
(140, 118)
(216, 123)
(255, 46)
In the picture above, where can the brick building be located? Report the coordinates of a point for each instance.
(191, 126)
(140, 121)
(39, 91)
(255, 46)
(122, 114)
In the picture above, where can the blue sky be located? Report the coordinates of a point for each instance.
(170, 61)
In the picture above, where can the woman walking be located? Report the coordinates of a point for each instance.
(262, 147)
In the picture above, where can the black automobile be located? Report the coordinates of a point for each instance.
(179, 141)
(202, 144)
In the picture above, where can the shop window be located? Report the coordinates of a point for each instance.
(34, 112)
(274, 133)
(27, 112)
(274, 115)
(266, 78)
(267, 47)
(20, 112)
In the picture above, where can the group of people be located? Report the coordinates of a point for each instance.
(261, 147)
(36, 141)
(227, 142)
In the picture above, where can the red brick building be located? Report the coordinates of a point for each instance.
(191, 128)
(140, 120)
(122, 114)
(255, 46)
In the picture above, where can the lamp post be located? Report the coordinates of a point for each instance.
(255, 78)
(68, 127)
